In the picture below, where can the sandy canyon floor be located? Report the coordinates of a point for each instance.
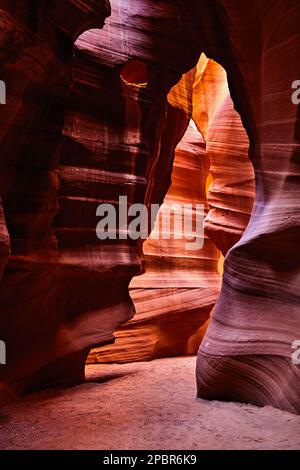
(148, 405)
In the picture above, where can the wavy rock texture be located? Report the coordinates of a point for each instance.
(232, 190)
(246, 353)
(4, 241)
(175, 295)
(164, 323)
(67, 145)
(36, 53)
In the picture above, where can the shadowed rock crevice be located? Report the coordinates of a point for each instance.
(74, 134)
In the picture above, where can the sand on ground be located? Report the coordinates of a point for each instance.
(146, 405)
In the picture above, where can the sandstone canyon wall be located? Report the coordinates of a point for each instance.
(77, 133)
(175, 295)
(88, 119)
(246, 352)
(36, 54)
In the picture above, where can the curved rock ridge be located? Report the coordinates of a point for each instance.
(232, 190)
(175, 295)
(257, 316)
(172, 262)
(204, 94)
(36, 44)
(206, 173)
(74, 133)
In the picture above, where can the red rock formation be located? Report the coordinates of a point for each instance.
(246, 354)
(67, 147)
(4, 241)
(175, 295)
(36, 50)
(231, 193)
(165, 323)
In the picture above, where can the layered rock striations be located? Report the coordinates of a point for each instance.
(175, 295)
(177, 277)
(78, 131)
(246, 353)
(231, 192)
(207, 172)
(36, 54)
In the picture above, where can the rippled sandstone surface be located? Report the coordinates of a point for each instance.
(79, 129)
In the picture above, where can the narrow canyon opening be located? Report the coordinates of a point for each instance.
(162, 103)
(175, 296)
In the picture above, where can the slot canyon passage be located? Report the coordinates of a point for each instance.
(129, 344)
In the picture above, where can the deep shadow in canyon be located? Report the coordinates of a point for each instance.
(95, 111)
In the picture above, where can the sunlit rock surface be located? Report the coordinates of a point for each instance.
(88, 119)
(175, 295)
(246, 353)
(82, 126)
(204, 172)
(232, 190)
